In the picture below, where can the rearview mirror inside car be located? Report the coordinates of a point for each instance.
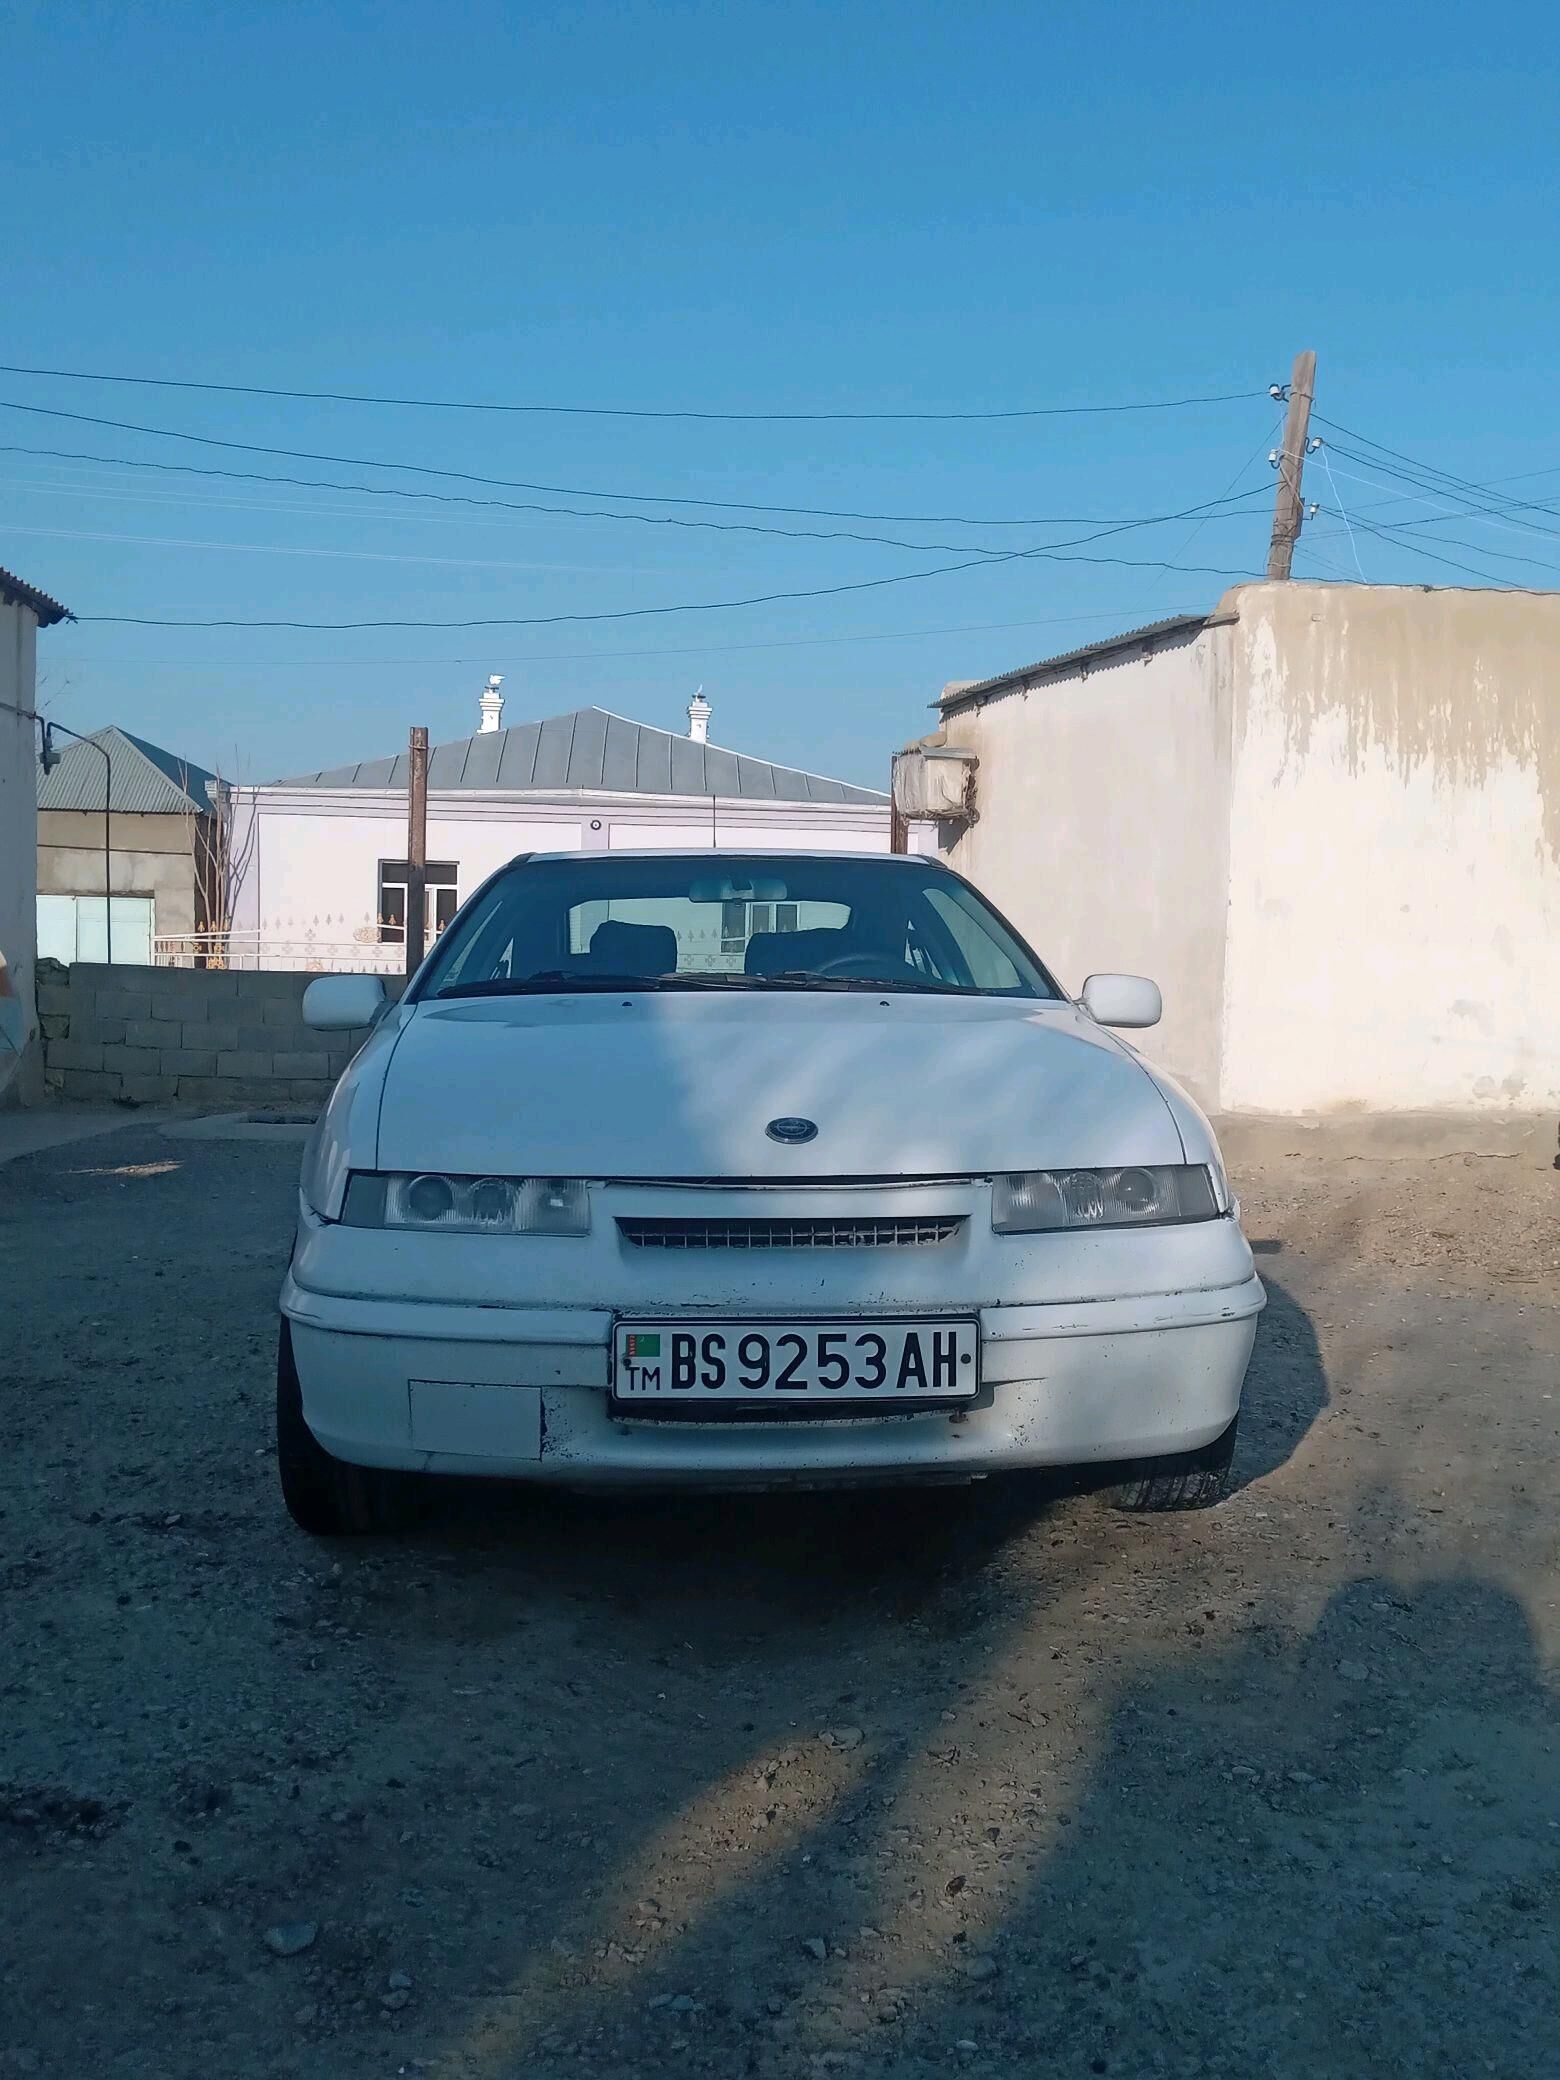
(723, 888)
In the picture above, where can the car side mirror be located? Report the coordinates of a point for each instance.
(343, 1003)
(1122, 1000)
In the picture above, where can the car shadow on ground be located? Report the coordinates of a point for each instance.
(1286, 1388)
(1326, 1852)
(763, 1622)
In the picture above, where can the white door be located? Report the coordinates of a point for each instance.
(73, 928)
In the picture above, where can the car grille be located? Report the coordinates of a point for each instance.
(920, 1231)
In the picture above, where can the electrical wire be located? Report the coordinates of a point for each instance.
(1424, 489)
(647, 498)
(490, 663)
(588, 411)
(1427, 476)
(715, 606)
(1266, 442)
(1337, 494)
(1307, 547)
(1467, 508)
(1453, 541)
(1419, 549)
(810, 534)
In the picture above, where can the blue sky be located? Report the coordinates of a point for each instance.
(735, 207)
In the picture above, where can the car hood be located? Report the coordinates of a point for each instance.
(683, 1086)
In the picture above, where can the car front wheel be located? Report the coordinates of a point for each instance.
(323, 1494)
(1188, 1480)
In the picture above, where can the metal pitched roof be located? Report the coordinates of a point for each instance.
(595, 751)
(1175, 624)
(14, 589)
(148, 781)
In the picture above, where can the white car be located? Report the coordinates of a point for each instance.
(716, 1169)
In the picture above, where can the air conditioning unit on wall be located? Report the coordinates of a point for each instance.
(935, 783)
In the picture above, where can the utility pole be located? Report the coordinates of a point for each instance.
(1287, 509)
(416, 848)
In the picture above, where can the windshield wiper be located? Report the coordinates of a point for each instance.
(565, 982)
(798, 978)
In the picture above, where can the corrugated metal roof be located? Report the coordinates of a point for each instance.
(596, 752)
(981, 689)
(48, 611)
(148, 781)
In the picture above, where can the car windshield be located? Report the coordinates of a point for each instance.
(730, 921)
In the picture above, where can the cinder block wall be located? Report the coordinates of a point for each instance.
(180, 1036)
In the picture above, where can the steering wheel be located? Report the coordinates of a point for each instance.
(868, 967)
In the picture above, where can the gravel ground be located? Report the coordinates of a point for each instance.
(984, 1781)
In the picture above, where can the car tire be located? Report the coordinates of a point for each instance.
(323, 1494)
(1188, 1480)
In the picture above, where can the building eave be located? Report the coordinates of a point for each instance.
(964, 695)
(16, 592)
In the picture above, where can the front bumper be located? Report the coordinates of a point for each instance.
(520, 1391)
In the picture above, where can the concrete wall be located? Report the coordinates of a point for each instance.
(1329, 825)
(1103, 813)
(308, 889)
(19, 1068)
(151, 856)
(195, 1037)
(1394, 891)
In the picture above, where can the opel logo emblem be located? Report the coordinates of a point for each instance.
(792, 1131)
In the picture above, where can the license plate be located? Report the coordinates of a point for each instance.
(888, 1364)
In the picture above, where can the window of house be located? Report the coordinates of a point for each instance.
(440, 878)
(739, 921)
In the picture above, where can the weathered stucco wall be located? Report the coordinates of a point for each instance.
(1394, 873)
(1103, 797)
(152, 856)
(21, 1070)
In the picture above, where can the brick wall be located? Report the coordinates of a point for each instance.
(182, 1036)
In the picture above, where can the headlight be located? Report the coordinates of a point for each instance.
(1033, 1200)
(468, 1205)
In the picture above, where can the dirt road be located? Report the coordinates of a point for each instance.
(986, 1781)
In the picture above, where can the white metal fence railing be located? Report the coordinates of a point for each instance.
(303, 954)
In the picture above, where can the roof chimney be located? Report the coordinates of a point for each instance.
(699, 718)
(491, 704)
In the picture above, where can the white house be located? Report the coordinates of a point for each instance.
(1325, 817)
(23, 611)
(323, 876)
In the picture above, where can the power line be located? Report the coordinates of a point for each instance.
(598, 513)
(1337, 494)
(1443, 481)
(1226, 494)
(589, 411)
(1398, 531)
(1466, 509)
(716, 606)
(1419, 549)
(1434, 486)
(489, 663)
(1440, 519)
(460, 476)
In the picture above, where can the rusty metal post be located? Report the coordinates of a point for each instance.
(898, 832)
(416, 848)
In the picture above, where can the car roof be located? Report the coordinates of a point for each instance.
(718, 852)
